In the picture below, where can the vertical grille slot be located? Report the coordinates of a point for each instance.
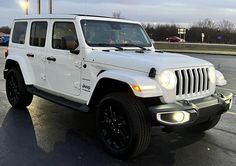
(208, 80)
(205, 79)
(183, 82)
(201, 80)
(190, 82)
(178, 81)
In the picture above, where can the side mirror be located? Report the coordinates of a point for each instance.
(152, 41)
(76, 51)
(71, 44)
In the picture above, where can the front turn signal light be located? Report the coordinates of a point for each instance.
(136, 88)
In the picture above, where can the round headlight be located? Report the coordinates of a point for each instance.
(167, 79)
(212, 74)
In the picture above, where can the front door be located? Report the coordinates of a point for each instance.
(63, 69)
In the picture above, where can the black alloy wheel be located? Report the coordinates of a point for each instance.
(16, 89)
(122, 125)
(12, 88)
(114, 126)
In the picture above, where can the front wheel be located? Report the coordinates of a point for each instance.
(122, 125)
(16, 89)
(205, 125)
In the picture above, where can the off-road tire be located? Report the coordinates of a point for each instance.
(16, 89)
(129, 114)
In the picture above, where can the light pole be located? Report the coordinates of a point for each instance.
(50, 6)
(25, 6)
(39, 7)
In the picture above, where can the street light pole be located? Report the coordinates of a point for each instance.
(50, 6)
(27, 7)
(39, 7)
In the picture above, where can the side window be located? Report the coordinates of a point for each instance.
(38, 34)
(19, 32)
(64, 36)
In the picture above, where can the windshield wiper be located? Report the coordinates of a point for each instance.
(160, 51)
(134, 45)
(109, 45)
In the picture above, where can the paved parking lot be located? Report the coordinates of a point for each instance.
(51, 135)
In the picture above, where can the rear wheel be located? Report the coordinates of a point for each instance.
(205, 125)
(16, 89)
(122, 125)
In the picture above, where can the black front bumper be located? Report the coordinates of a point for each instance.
(199, 110)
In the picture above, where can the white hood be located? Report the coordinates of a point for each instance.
(145, 61)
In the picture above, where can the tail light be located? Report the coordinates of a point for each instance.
(6, 52)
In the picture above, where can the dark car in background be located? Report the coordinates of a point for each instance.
(175, 39)
(4, 40)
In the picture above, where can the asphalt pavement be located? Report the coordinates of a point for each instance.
(47, 134)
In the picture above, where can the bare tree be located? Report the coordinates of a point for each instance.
(226, 26)
(5, 29)
(116, 14)
(206, 23)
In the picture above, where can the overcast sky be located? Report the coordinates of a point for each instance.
(160, 11)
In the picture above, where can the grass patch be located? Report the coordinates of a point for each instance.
(197, 48)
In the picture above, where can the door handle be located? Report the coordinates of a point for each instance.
(51, 59)
(30, 55)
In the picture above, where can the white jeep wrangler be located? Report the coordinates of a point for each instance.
(110, 66)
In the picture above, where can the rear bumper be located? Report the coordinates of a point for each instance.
(195, 112)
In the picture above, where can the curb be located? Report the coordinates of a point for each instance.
(197, 52)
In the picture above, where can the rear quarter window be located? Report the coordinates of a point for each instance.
(19, 32)
(38, 34)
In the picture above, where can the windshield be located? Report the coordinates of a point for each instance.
(107, 33)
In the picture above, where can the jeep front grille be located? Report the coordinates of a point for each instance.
(192, 82)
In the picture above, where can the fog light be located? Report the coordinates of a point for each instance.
(173, 118)
(178, 116)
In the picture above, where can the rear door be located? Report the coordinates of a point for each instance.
(37, 51)
(63, 69)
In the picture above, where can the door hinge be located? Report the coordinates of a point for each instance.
(77, 85)
(43, 59)
(78, 64)
(43, 76)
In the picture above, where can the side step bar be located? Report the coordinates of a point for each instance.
(58, 99)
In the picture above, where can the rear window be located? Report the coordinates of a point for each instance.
(19, 32)
(38, 34)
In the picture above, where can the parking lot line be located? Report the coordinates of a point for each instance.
(232, 113)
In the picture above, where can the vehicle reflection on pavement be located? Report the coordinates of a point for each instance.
(48, 134)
